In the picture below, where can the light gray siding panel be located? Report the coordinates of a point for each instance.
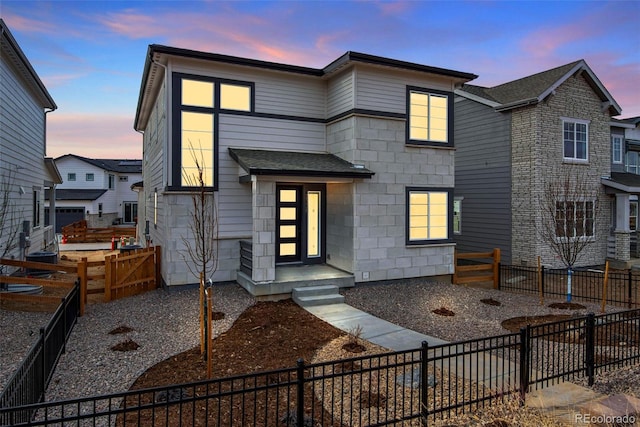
(340, 94)
(387, 91)
(483, 177)
(275, 92)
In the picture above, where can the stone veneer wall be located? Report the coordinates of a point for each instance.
(379, 247)
(537, 151)
(264, 213)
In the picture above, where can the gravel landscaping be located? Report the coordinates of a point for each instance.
(164, 323)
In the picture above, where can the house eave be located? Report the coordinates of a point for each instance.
(607, 182)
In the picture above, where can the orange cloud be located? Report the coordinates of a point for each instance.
(133, 25)
(92, 135)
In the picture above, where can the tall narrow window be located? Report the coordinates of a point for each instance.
(457, 216)
(428, 215)
(429, 117)
(112, 182)
(632, 162)
(616, 149)
(37, 205)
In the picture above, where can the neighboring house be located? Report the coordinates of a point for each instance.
(25, 172)
(98, 190)
(624, 184)
(513, 139)
(349, 167)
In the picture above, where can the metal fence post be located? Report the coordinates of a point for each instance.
(525, 348)
(300, 394)
(630, 289)
(499, 276)
(590, 340)
(43, 381)
(424, 381)
(542, 285)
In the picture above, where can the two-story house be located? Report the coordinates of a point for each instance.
(346, 170)
(98, 190)
(25, 172)
(514, 140)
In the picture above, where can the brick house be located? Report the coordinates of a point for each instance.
(346, 171)
(515, 138)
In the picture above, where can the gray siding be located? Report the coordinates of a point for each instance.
(483, 177)
(22, 124)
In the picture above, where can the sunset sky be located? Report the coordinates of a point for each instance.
(90, 54)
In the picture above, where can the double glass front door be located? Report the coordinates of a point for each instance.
(300, 223)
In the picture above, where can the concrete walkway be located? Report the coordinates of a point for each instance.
(569, 403)
(494, 372)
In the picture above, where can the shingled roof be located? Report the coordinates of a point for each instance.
(265, 162)
(112, 165)
(535, 88)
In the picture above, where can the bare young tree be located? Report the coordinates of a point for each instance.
(202, 242)
(568, 213)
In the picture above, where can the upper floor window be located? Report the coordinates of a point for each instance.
(71, 176)
(428, 215)
(124, 178)
(429, 117)
(89, 177)
(575, 138)
(112, 182)
(574, 219)
(197, 102)
(616, 147)
(632, 162)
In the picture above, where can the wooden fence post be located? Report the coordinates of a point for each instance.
(158, 258)
(82, 275)
(109, 274)
(496, 267)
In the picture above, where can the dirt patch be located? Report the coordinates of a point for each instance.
(491, 301)
(443, 311)
(128, 345)
(515, 323)
(567, 306)
(121, 330)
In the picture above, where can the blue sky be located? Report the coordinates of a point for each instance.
(90, 54)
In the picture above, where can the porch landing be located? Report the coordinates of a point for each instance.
(296, 276)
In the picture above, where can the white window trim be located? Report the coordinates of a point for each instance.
(617, 138)
(583, 237)
(577, 121)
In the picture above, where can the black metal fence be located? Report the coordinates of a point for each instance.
(406, 387)
(623, 286)
(29, 382)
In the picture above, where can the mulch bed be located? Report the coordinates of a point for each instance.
(267, 336)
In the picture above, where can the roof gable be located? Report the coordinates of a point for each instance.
(535, 88)
(111, 165)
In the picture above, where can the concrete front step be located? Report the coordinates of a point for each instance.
(316, 295)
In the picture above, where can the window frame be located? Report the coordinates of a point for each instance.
(423, 242)
(37, 207)
(575, 122)
(616, 140)
(177, 108)
(457, 200)
(450, 112)
(111, 182)
(631, 155)
(583, 236)
(71, 176)
(89, 176)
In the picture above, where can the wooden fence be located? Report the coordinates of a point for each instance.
(484, 268)
(53, 300)
(131, 273)
(78, 232)
(125, 274)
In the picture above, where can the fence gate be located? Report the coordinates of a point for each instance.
(477, 271)
(131, 273)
